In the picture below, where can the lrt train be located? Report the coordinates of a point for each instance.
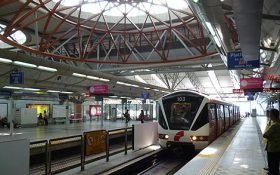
(192, 119)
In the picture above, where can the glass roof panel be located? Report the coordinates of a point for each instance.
(131, 8)
(18, 37)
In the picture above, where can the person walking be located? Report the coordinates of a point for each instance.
(273, 143)
(141, 116)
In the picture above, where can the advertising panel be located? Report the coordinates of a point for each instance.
(95, 142)
(98, 89)
(251, 83)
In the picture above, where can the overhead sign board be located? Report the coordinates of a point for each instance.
(145, 95)
(236, 61)
(98, 89)
(16, 78)
(251, 83)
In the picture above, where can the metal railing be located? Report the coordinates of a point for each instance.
(56, 151)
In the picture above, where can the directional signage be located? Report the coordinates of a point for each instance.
(16, 78)
(236, 61)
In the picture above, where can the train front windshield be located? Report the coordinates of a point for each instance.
(181, 109)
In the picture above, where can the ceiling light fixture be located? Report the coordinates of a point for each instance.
(217, 41)
(12, 87)
(103, 79)
(92, 77)
(47, 68)
(79, 75)
(66, 92)
(52, 91)
(31, 89)
(210, 28)
(4, 60)
(19, 63)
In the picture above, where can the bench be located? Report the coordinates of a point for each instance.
(77, 120)
(59, 120)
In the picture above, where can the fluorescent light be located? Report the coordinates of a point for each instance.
(12, 87)
(196, 1)
(31, 89)
(217, 41)
(147, 88)
(52, 91)
(4, 60)
(25, 64)
(47, 68)
(122, 83)
(140, 79)
(214, 80)
(124, 97)
(155, 89)
(92, 77)
(65, 92)
(79, 75)
(114, 96)
(134, 85)
(104, 79)
(210, 28)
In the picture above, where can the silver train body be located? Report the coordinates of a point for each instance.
(190, 118)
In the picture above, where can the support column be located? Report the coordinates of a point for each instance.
(102, 115)
(11, 117)
(67, 113)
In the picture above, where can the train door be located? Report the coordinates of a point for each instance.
(227, 119)
(221, 119)
(213, 123)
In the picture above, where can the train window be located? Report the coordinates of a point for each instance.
(226, 112)
(211, 111)
(161, 120)
(180, 109)
(220, 111)
(202, 119)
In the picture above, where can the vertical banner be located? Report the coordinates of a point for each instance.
(95, 142)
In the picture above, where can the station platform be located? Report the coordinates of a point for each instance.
(238, 151)
(64, 130)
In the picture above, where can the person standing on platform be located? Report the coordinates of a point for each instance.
(268, 123)
(141, 116)
(126, 116)
(273, 143)
(45, 117)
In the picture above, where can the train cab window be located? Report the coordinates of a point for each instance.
(161, 120)
(180, 110)
(202, 119)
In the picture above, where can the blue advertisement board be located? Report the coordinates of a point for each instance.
(236, 61)
(16, 78)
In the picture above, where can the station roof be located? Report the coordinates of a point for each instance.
(138, 45)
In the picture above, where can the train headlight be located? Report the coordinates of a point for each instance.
(194, 138)
(163, 136)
